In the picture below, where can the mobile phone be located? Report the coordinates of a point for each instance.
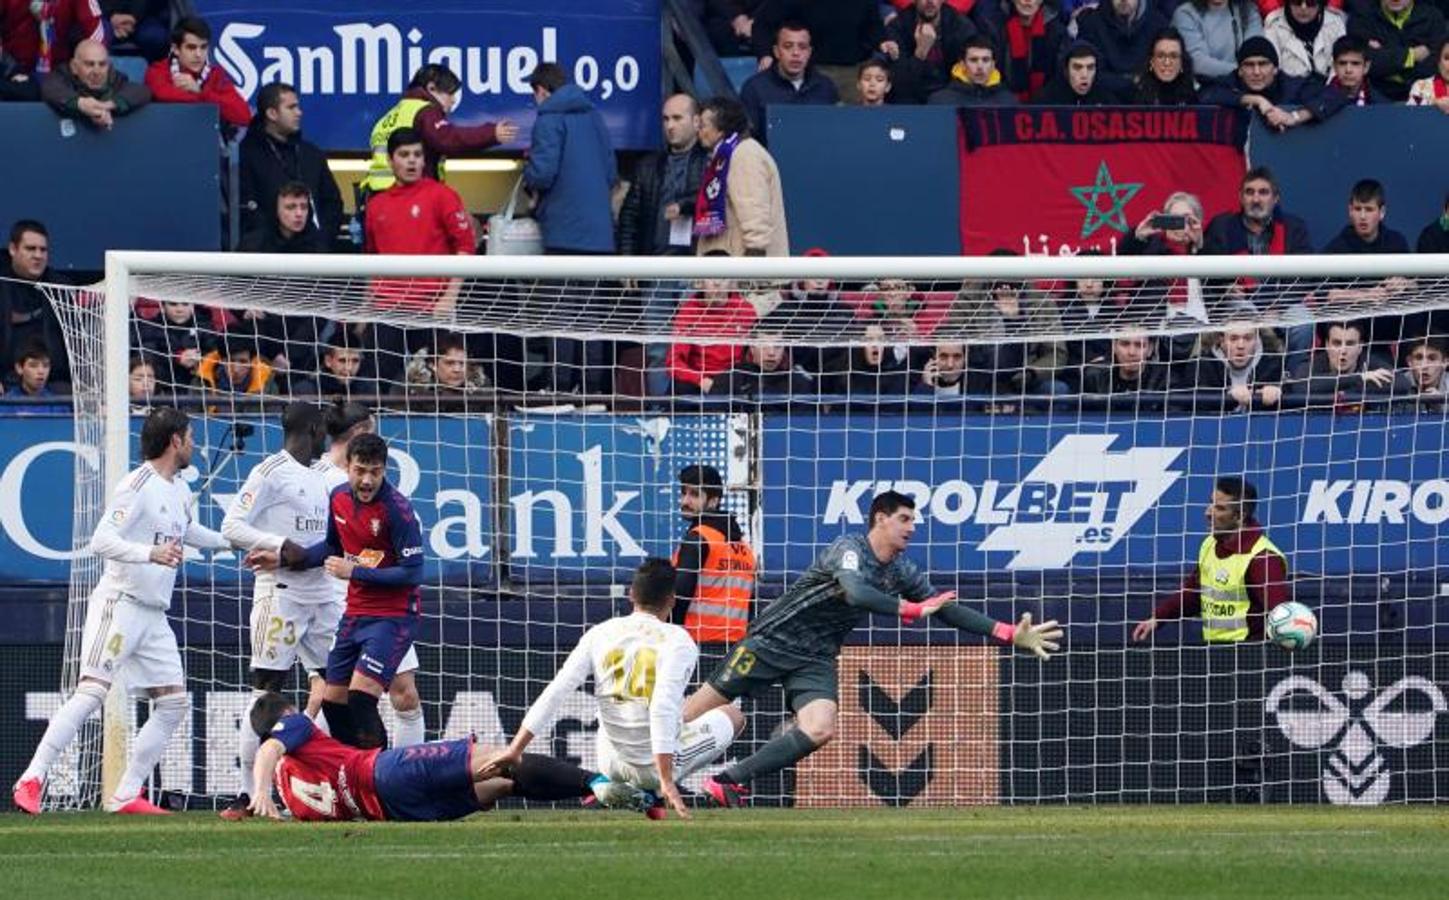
(1164, 222)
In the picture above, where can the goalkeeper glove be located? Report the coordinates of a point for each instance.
(912, 610)
(1039, 639)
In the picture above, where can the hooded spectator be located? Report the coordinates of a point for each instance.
(1079, 81)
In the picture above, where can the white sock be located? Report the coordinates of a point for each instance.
(411, 729)
(167, 713)
(63, 726)
(247, 743)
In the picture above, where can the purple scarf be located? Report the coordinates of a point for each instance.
(709, 205)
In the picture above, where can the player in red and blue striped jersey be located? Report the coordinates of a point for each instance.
(323, 780)
(375, 544)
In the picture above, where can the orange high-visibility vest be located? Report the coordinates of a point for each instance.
(720, 611)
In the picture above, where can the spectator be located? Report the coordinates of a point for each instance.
(342, 367)
(1245, 362)
(431, 96)
(444, 374)
(1180, 301)
(64, 23)
(944, 374)
(1213, 30)
(1303, 32)
(1401, 36)
(188, 76)
(173, 343)
(290, 228)
(922, 44)
(1282, 101)
(894, 307)
(741, 206)
(236, 366)
(1132, 368)
(844, 32)
(1350, 72)
(1435, 236)
(766, 370)
(141, 24)
(274, 154)
(1167, 78)
(32, 381)
(25, 313)
(877, 369)
(995, 318)
(417, 215)
(1341, 372)
(873, 83)
(1258, 228)
(730, 25)
(975, 80)
(1364, 233)
(141, 385)
(570, 166)
(812, 312)
(1077, 83)
(1434, 90)
(791, 80)
(1033, 41)
(1124, 33)
(89, 87)
(1088, 307)
(1424, 376)
(658, 211)
(657, 219)
(717, 310)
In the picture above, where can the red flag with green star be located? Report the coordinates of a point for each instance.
(1060, 180)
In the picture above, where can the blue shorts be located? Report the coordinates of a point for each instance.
(371, 645)
(427, 782)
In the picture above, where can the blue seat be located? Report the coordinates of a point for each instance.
(737, 68)
(133, 67)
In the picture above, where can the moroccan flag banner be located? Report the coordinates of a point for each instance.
(1061, 180)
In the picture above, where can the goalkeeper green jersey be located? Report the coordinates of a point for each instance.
(812, 619)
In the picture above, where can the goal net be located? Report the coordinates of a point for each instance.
(1061, 425)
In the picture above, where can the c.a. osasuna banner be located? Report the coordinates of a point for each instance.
(1054, 180)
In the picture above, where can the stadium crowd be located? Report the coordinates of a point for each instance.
(714, 189)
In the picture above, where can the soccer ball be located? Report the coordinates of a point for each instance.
(1291, 626)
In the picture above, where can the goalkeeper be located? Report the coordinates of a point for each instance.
(794, 642)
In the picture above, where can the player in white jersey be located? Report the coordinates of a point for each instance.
(294, 616)
(346, 420)
(641, 666)
(140, 537)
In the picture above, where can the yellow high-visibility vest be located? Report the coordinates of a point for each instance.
(1224, 589)
(379, 171)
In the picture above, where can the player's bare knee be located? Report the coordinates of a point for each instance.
(820, 733)
(736, 717)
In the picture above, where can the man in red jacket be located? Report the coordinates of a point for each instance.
(716, 311)
(42, 38)
(188, 76)
(415, 216)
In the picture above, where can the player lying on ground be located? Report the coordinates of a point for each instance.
(794, 642)
(641, 666)
(322, 780)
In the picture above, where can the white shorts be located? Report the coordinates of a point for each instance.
(701, 742)
(284, 631)
(123, 638)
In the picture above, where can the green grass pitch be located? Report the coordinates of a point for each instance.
(1157, 852)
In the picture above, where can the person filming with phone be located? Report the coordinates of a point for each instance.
(1174, 230)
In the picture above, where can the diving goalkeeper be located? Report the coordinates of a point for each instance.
(794, 642)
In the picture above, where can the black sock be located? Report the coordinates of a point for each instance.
(339, 722)
(370, 732)
(539, 777)
(787, 749)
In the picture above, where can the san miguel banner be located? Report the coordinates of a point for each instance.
(350, 60)
(1061, 180)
